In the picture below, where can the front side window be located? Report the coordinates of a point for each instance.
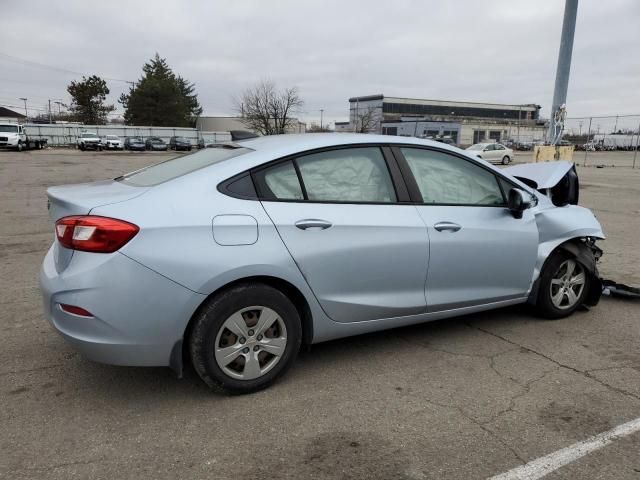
(447, 179)
(347, 175)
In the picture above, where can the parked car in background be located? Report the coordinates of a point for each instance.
(134, 143)
(112, 142)
(155, 144)
(89, 141)
(179, 143)
(492, 152)
(235, 256)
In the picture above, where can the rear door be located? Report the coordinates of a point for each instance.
(340, 212)
(479, 253)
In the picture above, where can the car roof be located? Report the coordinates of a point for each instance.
(281, 145)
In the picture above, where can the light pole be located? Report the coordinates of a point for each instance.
(26, 114)
(321, 114)
(562, 71)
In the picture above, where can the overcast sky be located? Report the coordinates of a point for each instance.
(500, 51)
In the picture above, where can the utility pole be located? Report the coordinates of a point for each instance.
(50, 121)
(59, 105)
(321, 114)
(26, 114)
(563, 69)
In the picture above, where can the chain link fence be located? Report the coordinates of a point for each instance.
(59, 135)
(617, 135)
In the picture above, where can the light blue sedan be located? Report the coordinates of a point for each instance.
(232, 257)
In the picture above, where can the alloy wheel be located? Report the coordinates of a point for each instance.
(250, 343)
(567, 284)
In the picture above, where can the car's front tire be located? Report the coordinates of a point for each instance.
(244, 338)
(564, 283)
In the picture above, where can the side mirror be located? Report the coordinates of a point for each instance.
(519, 201)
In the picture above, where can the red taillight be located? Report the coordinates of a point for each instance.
(91, 233)
(73, 309)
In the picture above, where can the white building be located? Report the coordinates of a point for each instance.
(227, 124)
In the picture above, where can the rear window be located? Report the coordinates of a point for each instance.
(176, 167)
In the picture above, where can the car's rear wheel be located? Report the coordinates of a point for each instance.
(564, 284)
(244, 338)
(506, 160)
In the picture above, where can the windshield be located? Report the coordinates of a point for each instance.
(181, 139)
(176, 167)
(9, 128)
(154, 140)
(112, 137)
(88, 135)
(477, 146)
(135, 139)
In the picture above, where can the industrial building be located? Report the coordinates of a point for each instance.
(464, 122)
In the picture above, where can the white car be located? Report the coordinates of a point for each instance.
(112, 142)
(89, 141)
(492, 152)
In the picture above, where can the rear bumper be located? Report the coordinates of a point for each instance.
(138, 315)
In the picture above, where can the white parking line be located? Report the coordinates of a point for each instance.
(544, 465)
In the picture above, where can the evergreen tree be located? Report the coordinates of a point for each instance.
(161, 98)
(88, 97)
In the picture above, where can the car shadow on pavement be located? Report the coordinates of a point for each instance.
(143, 383)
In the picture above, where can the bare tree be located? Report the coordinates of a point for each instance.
(266, 110)
(365, 120)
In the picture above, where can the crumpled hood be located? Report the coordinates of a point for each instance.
(545, 175)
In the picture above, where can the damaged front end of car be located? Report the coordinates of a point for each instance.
(562, 224)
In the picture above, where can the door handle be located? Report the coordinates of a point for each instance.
(447, 227)
(312, 223)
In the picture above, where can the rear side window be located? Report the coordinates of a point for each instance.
(280, 182)
(347, 175)
(447, 179)
(176, 167)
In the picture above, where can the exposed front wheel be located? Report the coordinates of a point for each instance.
(564, 284)
(244, 338)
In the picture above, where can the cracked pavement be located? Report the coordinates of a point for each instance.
(464, 398)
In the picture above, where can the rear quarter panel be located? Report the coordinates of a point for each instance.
(176, 237)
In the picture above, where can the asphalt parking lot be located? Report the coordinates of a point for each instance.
(465, 398)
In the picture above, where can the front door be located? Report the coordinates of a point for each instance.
(479, 253)
(363, 254)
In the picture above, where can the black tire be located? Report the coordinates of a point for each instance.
(210, 319)
(544, 305)
(506, 160)
(20, 147)
(82, 147)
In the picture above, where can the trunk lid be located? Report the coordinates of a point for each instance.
(80, 199)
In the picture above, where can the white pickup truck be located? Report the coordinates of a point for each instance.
(89, 141)
(14, 135)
